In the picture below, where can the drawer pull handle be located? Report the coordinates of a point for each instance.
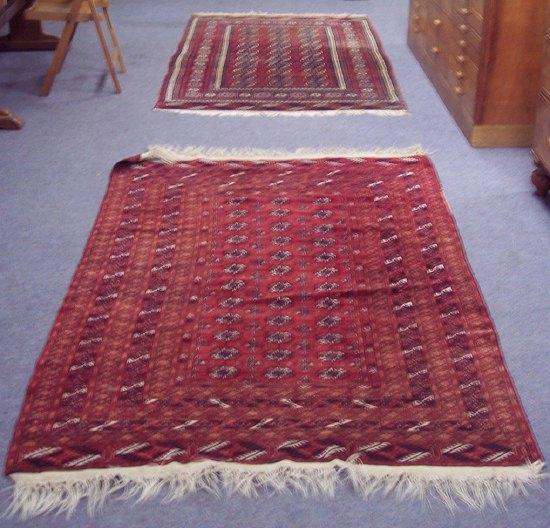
(459, 74)
(459, 90)
(464, 11)
(463, 28)
(435, 50)
(462, 43)
(437, 22)
(461, 59)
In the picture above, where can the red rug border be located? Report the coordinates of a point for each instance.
(160, 103)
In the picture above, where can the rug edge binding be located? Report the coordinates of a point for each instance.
(475, 487)
(173, 154)
(285, 113)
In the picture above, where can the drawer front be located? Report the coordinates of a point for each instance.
(422, 27)
(461, 79)
(467, 14)
(462, 7)
(478, 6)
(475, 23)
(451, 52)
(472, 5)
(459, 39)
(452, 30)
(418, 16)
(455, 48)
(541, 142)
(546, 63)
(445, 5)
(473, 12)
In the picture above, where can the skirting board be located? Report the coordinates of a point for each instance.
(501, 135)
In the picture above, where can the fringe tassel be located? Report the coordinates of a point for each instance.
(168, 154)
(263, 13)
(61, 491)
(283, 113)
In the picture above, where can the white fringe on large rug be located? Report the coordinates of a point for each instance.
(169, 154)
(476, 487)
(61, 491)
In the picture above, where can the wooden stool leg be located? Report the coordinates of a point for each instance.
(59, 56)
(104, 46)
(71, 36)
(114, 39)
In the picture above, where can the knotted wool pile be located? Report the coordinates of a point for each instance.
(297, 64)
(246, 320)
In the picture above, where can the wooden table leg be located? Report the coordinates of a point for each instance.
(9, 120)
(26, 35)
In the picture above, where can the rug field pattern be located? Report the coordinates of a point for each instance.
(279, 63)
(255, 311)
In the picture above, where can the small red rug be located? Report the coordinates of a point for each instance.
(249, 63)
(252, 319)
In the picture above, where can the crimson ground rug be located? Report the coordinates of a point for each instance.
(242, 320)
(270, 63)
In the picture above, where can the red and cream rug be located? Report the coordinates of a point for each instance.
(269, 63)
(251, 319)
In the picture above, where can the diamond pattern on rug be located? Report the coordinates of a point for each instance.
(279, 63)
(256, 311)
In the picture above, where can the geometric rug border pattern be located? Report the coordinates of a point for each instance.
(269, 64)
(254, 319)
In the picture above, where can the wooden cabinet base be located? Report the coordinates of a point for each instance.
(501, 136)
(541, 180)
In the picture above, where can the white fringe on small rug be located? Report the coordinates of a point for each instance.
(169, 154)
(61, 491)
(285, 113)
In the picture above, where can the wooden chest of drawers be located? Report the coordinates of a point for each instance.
(541, 141)
(484, 58)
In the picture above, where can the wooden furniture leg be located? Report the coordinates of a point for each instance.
(24, 35)
(114, 40)
(541, 180)
(9, 120)
(104, 46)
(59, 56)
(70, 41)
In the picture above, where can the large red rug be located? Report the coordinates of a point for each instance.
(272, 320)
(250, 63)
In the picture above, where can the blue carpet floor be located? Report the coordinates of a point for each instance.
(53, 174)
